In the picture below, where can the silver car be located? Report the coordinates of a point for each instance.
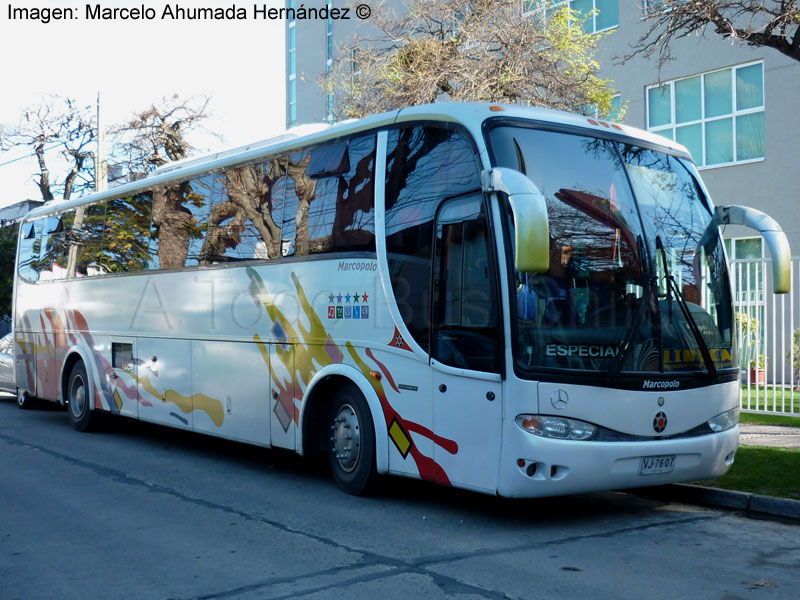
(7, 381)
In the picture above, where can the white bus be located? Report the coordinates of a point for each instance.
(510, 300)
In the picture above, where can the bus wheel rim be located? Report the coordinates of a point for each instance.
(346, 438)
(77, 397)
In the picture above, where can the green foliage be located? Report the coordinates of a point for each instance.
(8, 252)
(749, 328)
(472, 51)
(796, 349)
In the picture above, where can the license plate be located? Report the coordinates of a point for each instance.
(650, 465)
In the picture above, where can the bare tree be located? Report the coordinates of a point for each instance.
(470, 50)
(56, 126)
(158, 134)
(770, 23)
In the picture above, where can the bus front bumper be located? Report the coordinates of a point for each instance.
(533, 466)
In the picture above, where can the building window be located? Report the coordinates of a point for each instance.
(605, 17)
(747, 276)
(616, 110)
(292, 116)
(329, 44)
(653, 6)
(743, 248)
(718, 116)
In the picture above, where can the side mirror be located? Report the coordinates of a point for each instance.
(773, 235)
(531, 226)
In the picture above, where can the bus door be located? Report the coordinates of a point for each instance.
(465, 346)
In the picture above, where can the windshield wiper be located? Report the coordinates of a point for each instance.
(672, 286)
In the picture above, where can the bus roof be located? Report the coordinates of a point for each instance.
(468, 114)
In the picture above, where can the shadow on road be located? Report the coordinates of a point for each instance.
(313, 473)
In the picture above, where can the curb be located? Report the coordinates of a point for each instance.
(744, 501)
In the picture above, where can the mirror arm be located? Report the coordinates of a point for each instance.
(773, 235)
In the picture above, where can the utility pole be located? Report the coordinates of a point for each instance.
(100, 163)
(100, 185)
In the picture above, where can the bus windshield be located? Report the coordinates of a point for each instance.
(637, 279)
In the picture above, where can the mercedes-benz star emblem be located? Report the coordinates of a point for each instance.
(559, 399)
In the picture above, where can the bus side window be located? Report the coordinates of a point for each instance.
(341, 216)
(180, 220)
(242, 226)
(90, 245)
(127, 234)
(29, 247)
(424, 166)
(300, 189)
(52, 263)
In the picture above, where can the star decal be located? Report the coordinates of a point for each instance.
(364, 297)
(339, 298)
(355, 297)
(330, 299)
(347, 297)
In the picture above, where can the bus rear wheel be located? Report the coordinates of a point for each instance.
(81, 415)
(352, 443)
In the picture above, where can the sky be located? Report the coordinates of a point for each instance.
(133, 63)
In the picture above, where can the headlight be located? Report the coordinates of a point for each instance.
(556, 427)
(725, 421)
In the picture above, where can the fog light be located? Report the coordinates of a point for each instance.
(556, 427)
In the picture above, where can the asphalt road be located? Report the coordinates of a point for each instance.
(146, 512)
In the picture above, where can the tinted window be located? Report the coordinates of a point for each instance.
(424, 166)
(332, 213)
(180, 220)
(242, 216)
(54, 246)
(127, 234)
(88, 238)
(29, 248)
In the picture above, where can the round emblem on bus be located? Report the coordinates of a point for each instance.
(660, 422)
(559, 399)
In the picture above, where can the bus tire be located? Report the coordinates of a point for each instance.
(24, 400)
(79, 408)
(352, 442)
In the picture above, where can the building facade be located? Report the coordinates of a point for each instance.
(732, 105)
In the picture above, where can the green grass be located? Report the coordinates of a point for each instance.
(762, 419)
(761, 470)
(762, 398)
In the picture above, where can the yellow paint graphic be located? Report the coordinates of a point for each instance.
(117, 400)
(400, 438)
(313, 347)
(211, 406)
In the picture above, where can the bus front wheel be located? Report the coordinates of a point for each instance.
(352, 442)
(81, 415)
